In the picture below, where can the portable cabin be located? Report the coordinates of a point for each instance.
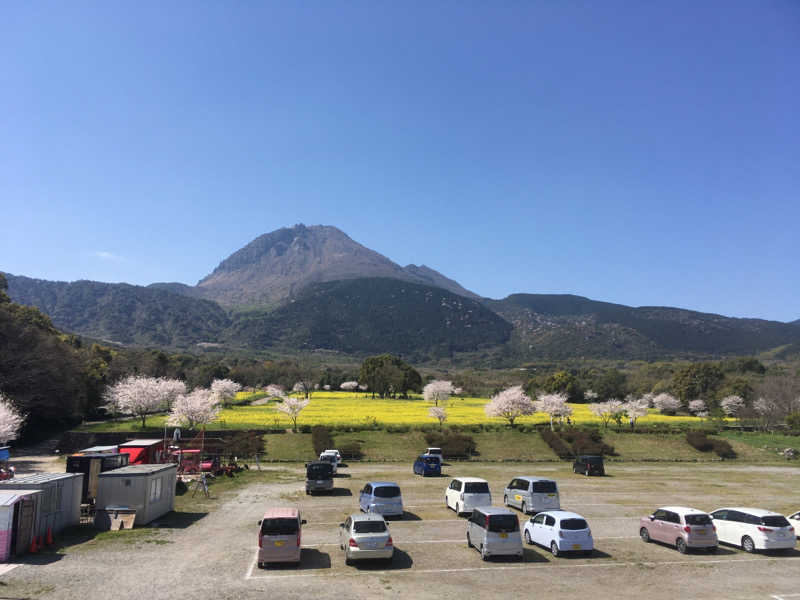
(59, 501)
(100, 450)
(91, 465)
(149, 489)
(18, 510)
(143, 452)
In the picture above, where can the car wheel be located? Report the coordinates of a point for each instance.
(261, 565)
(644, 534)
(528, 539)
(469, 541)
(458, 510)
(524, 509)
(748, 545)
(484, 556)
(554, 548)
(680, 544)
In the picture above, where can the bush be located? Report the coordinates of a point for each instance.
(305, 428)
(351, 450)
(587, 442)
(558, 445)
(452, 443)
(793, 420)
(699, 441)
(321, 439)
(724, 449)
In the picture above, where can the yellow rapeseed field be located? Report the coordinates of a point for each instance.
(349, 409)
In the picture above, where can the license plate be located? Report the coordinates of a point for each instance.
(701, 531)
(551, 495)
(320, 482)
(576, 546)
(504, 535)
(279, 543)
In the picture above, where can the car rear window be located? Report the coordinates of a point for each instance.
(431, 460)
(776, 521)
(319, 471)
(387, 491)
(369, 526)
(476, 487)
(279, 526)
(698, 520)
(544, 487)
(503, 523)
(592, 460)
(574, 524)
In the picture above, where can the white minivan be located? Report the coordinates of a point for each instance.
(532, 494)
(465, 493)
(754, 529)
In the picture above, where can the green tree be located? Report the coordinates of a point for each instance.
(563, 382)
(697, 380)
(610, 384)
(389, 375)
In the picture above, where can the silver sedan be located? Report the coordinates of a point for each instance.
(365, 536)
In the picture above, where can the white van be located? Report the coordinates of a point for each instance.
(532, 494)
(465, 493)
(494, 532)
(754, 529)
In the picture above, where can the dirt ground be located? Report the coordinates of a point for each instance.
(213, 555)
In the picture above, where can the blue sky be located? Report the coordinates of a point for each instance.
(635, 152)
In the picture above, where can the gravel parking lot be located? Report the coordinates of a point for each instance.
(214, 556)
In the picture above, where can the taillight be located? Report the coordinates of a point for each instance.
(298, 539)
(259, 540)
(389, 542)
(791, 528)
(462, 496)
(352, 543)
(487, 522)
(687, 529)
(560, 533)
(765, 529)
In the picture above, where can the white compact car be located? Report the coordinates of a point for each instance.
(754, 529)
(465, 493)
(794, 521)
(561, 531)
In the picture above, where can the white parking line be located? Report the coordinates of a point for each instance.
(570, 565)
(784, 596)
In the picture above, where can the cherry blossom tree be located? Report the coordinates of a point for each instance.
(732, 405)
(292, 408)
(305, 387)
(554, 405)
(140, 396)
(767, 410)
(666, 403)
(590, 396)
(438, 391)
(10, 420)
(698, 408)
(196, 409)
(170, 390)
(510, 404)
(439, 413)
(349, 386)
(605, 411)
(225, 390)
(275, 391)
(635, 409)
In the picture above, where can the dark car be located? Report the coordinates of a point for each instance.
(589, 465)
(319, 477)
(428, 464)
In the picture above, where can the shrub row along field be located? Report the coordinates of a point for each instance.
(342, 409)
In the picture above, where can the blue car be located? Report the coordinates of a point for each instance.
(428, 464)
(381, 497)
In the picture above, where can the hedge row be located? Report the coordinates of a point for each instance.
(452, 443)
(699, 440)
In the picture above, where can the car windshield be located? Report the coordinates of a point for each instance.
(503, 523)
(592, 460)
(574, 524)
(544, 487)
(369, 526)
(387, 491)
(279, 526)
(698, 520)
(775, 521)
(430, 460)
(327, 458)
(319, 471)
(476, 487)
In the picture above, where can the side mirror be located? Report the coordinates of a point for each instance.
(303, 522)
(341, 524)
(711, 517)
(259, 522)
(652, 517)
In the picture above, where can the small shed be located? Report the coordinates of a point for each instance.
(100, 450)
(17, 521)
(59, 502)
(149, 489)
(91, 465)
(143, 452)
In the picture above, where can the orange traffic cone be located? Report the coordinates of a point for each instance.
(33, 548)
(49, 540)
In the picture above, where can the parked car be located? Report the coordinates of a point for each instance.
(336, 454)
(279, 536)
(319, 477)
(589, 465)
(681, 527)
(532, 494)
(754, 529)
(794, 521)
(365, 537)
(381, 497)
(494, 532)
(435, 452)
(330, 458)
(428, 464)
(465, 493)
(561, 531)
